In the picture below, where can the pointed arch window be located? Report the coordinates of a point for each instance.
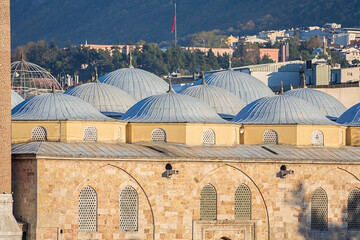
(354, 209)
(128, 209)
(208, 203)
(87, 210)
(243, 202)
(319, 210)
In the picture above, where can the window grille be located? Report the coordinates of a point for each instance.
(158, 135)
(354, 210)
(208, 137)
(87, 209)
(39, 134)
(119, 134)
(317, 138)
(270, 137)
(208, 206)
(128, 209)
(319, 210)
(90, 133)
(243, 202)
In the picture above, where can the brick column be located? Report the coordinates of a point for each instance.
(9, 228)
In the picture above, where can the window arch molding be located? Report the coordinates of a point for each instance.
(270, 137)
(87, 209)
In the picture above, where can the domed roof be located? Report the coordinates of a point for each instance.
(243, 85)
(226, 104)
(327, 104)
(109, 100)
(281, 109)
(350, 117)
(55, 106)
(171, 107)
(136, 82)
(15, 99)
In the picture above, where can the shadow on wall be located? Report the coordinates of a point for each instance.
(334, 231)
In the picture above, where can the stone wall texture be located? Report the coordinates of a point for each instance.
(47, 192)
(5, 98)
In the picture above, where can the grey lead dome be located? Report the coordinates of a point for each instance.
(226, 104)
(281, 109)
(109, 100)
(138, 83)
(55, 106)
(327, 104)
(15, 99)
(243, 85)
(171, 107)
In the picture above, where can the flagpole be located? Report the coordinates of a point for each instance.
(175, 26)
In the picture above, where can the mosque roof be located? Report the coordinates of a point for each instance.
(109, 100)
(281, 109)
(55, 106)
(350, 117)
(171, 107)
(136, 82)
(178, 152)
(243, 85)
(226, 104)
(15, 99)
(328, 105)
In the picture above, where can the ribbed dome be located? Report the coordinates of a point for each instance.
(171, 107)
(136, 82)
(281, 109)
(327, 104)
(109, 100)
(226, 104)
(55, 106)
(243, 85)
(15, 99)
(350, 117)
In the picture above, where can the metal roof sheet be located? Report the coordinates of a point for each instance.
(15, 99)
(350, 117)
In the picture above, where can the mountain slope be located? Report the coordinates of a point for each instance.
(117, 21)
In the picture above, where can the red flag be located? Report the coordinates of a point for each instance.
(173, 25)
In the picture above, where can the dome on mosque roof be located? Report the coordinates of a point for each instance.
(109, 100)
(350, 117)
(226, 104)
(136, 82)
(281, 109)
(55, 106)
(30, 79)
(243, 85)
(171, 107)
(15, 99)
(328, 105)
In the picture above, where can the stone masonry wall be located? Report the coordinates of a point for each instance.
(168, 207)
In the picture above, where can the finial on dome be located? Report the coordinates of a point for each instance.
(230, 68)
(291, 87)
(282, 88)
(96, 75)
(203, 78)
(52, 89)
(130, 60)
(171, 90)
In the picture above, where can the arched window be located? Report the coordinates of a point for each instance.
(158, 135)
(270, 137)
(354, 209)
(208, 206)
(39, 134)
(87, 209)
(128, 209)
(317, 138)
(319, 210)
(208, 137)
(90, 133)
(243, 202)
(119, 134)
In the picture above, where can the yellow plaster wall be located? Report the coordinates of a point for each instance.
(184, 133)
(299, 135)
(68, 130)
(353, 136)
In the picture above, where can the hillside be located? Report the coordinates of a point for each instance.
(119, 21)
